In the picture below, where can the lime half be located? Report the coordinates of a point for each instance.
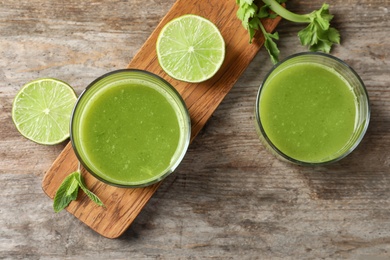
(41, 110)
(190, 48)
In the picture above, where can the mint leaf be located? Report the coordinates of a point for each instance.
(67, 192)
(89, 193)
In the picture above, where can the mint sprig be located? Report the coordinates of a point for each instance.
(68, 191)
(89, 193)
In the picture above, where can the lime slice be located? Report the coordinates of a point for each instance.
(190, 48)
(41, 110)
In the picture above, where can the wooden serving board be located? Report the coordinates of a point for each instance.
(123, 205)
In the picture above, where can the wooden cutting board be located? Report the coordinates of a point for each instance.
(123, 205)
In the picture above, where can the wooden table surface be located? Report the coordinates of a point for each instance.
(230, 198)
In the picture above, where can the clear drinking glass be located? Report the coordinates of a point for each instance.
(130, 128)
(307, 60)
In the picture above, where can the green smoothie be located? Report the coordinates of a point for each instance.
(130, 132)
(308, 111)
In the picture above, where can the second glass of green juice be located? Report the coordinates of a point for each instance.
(312, 109)
(130, 128)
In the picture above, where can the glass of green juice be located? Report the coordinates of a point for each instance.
(130, 128)
(312, 109)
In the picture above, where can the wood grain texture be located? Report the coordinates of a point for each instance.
(123, 205)
(230, 198)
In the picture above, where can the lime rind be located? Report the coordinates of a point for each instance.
(190, 48)
(41, 110)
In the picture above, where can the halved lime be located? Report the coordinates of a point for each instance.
(190, 48)
(41, 110)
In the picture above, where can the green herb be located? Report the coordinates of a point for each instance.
(318, 35)
(68, 191)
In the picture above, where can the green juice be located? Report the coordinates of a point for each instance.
(308, 112)
(131, 132)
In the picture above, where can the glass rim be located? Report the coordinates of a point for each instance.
(180, 104)
(276, 149)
